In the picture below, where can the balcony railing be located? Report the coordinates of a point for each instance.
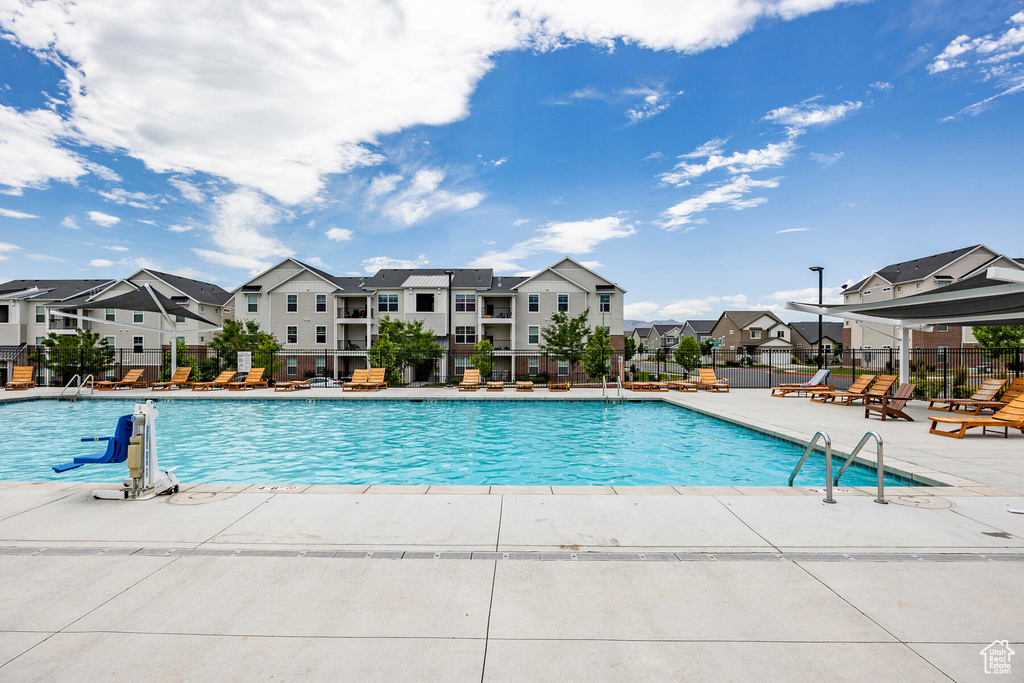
(354, 313)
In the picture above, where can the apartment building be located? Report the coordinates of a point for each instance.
(908, 278)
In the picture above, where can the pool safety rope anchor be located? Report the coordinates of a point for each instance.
(144, 480)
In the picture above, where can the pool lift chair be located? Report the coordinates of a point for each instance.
(133, 443)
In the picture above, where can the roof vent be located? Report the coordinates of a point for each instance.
(362, 281)
(499, 283)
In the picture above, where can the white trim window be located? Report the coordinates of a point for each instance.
(40, 314)
(179, 318)
(321, 334)
(533, 303)
(563, 368)
(465, 303)
(252, 303)
(563, 303)
(387, 303)
(533, 366)
(604, 303)
(111, 341)
(533, 334)
(465, 334)
(461, 364)
(293, 303)
(109, 315)
(755, 334)
(321, 303)
(138, 316)
(292, 336)
(180, 340)
(942, 328)
(137, 344)
(293, 366)
(321, 366)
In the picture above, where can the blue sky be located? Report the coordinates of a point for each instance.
(700, 154)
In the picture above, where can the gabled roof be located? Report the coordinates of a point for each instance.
(662, 329)
(463, 278)
(809, 330)
(203, 292)
(917, 269)
(744, 318)
(52, 290)
(642, 332)
(702, 326)
(576, 263)
(504, 284)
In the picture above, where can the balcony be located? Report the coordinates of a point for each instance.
(354, 314)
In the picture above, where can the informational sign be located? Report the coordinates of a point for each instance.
(244, 361)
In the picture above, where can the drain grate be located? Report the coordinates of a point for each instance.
(535, 556)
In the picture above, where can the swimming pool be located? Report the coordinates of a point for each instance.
(401, 442)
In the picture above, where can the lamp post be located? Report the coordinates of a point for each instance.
(820, 271)
(448, 362)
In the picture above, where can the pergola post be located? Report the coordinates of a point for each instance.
(904, 355)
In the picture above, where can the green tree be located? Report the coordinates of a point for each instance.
(183, 360)
(83, 353)
(999, 336)
(566, 337)
(385, 354)
(629, 348)
(483, 358)
(246, 336)
(687, 354)
(403, 344)
(597, 359)
(705, 347)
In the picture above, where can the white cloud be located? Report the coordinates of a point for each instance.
(593, 265)
(375, 263)
(180, 228)
(729, 195)
(810, 113)
(290, 92)
(5, 248)
(70, 223)
(883, 86)
(830, 295)
(101, 263)
(653, 155)
(239, 228)
(104, 219)
(316, 261)
(520, 221)
(788, 230)
(115, 247)
(383, 184)
(773, 155)
(983, 105)
(44, 258)
(640, 310)
(189, 191)
(11, 213)
(420, 198)
(32, 152)
(339, 234)
(652, 102)
(575, 237)
(139, 200)
(827, 159)
(685, 308)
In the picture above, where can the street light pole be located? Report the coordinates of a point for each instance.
(448, 363)
(820, 271)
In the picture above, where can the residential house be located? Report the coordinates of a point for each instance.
(639, 336)
(907, 278)
(805, 338)
(698, 329)
(750, 332)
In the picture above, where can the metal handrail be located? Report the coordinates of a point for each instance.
(828, 463)
(88, 379)
(880, 464)
(68, 385)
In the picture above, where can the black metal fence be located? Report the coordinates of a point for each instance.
(955, 372)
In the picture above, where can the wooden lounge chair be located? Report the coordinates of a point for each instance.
(253, 380)
(359, 378)
(706, 379)
(495, 386)
(816, 382)
(375, 381)
(982, 399)
(1010, 416)
(21, 379)
(881, 387)
(131, 380)
(293, 385)
(637, 386)
(859, 386)
(659, 386)
(558, 386)
(682, 385)
(470, 380)
(524, 385)
(891, 406)
(221, 382)
(178, 381)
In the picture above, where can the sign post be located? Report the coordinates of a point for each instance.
(244, 361)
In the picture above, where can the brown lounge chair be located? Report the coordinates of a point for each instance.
(253, 380)
(131, 380)
(524, 385)
(470, 380)
(375, 381)
(659, 386)
(21, 379)
(292, 385)
(983, 398)
(881, 387)
(359, 378)
(178, 381)
(682, 385)
(706, 379)
(859, 386)
(891, 406)
(1010, 416)
(495, 386)
(558, 386)
(221, 382)
(816, 383)
(637, 386)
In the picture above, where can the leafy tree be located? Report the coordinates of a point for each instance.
(566, 337)
(597, 359)
(659, 355)
(705, 347)
(385, 354)
(687, 354)
(183, 360)
(247, 336)
(83, 353)
(403, 344)
(629, 348)
(483, 358)
(999, 336)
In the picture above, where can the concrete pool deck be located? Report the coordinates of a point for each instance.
(529, 583)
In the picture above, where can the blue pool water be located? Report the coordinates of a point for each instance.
(378, 442)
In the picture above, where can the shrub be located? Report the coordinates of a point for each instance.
(928, 388)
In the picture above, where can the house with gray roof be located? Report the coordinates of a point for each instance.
(698, 329)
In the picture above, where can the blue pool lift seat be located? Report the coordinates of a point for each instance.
(117, 447)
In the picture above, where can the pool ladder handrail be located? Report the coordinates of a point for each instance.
(880, 464)
(828, 463)
(78, 390)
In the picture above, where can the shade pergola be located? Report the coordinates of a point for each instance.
(993, 298)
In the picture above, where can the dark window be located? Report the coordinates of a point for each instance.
(465, 335)
(387, 303)
(293, 334)
(109, 314)
(563, 302)
(606, 303)
(40, 314)
(321, 303)
(179, 318)
(465, 302)
(321, 334)
(137, 344)
(424, 303)
(534, 303)
(5, 313)
(293, 303)
(253, 303)
(137, 316)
